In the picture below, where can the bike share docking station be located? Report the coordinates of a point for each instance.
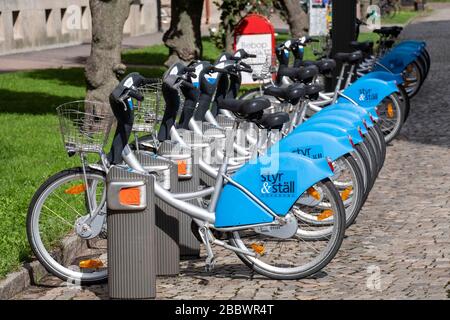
(147, 236)
(132, 233)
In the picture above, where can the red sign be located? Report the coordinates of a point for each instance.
(256, 35)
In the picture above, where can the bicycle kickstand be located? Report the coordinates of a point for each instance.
(207, 239)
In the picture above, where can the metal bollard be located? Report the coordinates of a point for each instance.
(131, 235)
(189, 245)
(167, 217)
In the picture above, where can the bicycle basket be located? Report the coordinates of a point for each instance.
(264, 68)
(84, 125)
(146, 113)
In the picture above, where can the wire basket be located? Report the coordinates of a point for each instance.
(84, 125)
(146, 113)
(264, 68)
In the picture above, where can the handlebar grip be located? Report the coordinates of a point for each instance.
(188, 84)
(149, 81)
(245, 65)
(188, 69)
(214, 69)
(134, 94)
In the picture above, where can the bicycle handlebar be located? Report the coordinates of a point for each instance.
(135, 94)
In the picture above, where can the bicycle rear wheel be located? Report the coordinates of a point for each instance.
(391, 115)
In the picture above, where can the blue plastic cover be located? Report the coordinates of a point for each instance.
(276, 179)
(325, 121)
(386, 76)
(396, 61)
(368, 92)
(316, 145)
(351, 110)
(333, 129)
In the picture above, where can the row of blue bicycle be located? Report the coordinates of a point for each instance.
(284, 168)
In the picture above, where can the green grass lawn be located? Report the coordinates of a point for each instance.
(31, 146)
(402, 17)
(156, 55)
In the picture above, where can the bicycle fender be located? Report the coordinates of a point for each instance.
(369, 92)
(276, 179)
(351, 110)
(416, 42)
(339, 117)
(347, 126)
(385, 76)
(395, 61)
(316, 144)
(332, 129)
(416, 45)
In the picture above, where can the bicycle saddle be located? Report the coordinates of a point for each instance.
(307, 73)
(312, 90)
(244, 107)
(272, 121)
(393, 31)
(387, 43)
(351, 57)
(366, 46)
(325, 65)
(290, 94)
(285, 71)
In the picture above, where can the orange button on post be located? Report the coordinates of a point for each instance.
(182, 167)
(130, 196)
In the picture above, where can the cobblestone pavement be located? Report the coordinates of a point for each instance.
(401, 236)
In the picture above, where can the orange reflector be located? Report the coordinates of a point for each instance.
(90, 264)
(130, 196)
(346, 193)
(259, 249)
(79, 188)
(314, 193)
(325, 214)
(390, 110)
(182, 167)
(409, 68)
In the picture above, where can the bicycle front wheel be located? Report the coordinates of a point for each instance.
(66, 226)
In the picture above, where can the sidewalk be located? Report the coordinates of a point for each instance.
(66, 57)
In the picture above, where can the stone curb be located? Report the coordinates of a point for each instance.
(32, 272)
(16, 282)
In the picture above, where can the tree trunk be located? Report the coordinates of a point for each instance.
(297, 19)
(103, 67)
(184, 36)
(364, 4)
(229, 41)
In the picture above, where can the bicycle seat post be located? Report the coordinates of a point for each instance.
(339, 81)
